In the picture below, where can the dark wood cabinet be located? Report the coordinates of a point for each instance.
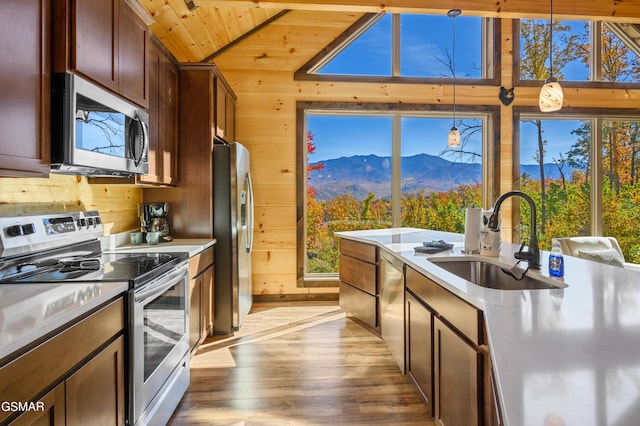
(225, 111)
(359, 287)
(53, 413)
(191, 201)
(200, 297)
(419, 341)
(195, 307)
(94, 40)
(83, 365)
(448, 357)
(163, 117)
(133, 46)
(95, 393)
(25, 87)
(457, 378)
(105, 41)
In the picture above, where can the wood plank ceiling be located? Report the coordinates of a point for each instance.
(195, 30)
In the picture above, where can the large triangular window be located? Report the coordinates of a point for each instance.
(407, 45)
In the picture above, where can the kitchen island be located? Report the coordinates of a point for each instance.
(567, 355)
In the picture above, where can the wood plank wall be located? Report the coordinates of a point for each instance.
(260, 70)
(117, 204)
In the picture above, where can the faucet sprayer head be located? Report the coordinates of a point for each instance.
(494, 221)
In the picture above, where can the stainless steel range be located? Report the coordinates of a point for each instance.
(65, 247)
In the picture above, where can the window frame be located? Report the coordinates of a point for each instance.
(490, 56)
(597, 117)
(595, 68)
(490, 161)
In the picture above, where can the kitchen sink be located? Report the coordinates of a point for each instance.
(490, 275)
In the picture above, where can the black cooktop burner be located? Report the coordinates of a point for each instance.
(135, 268)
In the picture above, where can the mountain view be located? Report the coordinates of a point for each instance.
(360, 174)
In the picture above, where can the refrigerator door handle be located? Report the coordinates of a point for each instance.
(250, 213)
(243, 208)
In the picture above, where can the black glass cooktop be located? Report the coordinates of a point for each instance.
(135, 268)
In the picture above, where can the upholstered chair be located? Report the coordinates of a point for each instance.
(599, 249)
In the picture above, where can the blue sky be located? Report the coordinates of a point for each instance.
(425, 41)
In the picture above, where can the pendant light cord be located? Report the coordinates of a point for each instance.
(550, 38)
(453, 63)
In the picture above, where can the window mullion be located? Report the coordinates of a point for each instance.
(396, 172)
(596, 51)
(596, 176)
(395, 48)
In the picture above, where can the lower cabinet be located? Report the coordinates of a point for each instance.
(74, 378)
(447, 355)
(95, 393)
(359, 289)
(52, 413)
(200, 298)
(419, 341)
(457, 378)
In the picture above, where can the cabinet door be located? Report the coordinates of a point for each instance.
(25, 87)
(133, 40)
(154, 175)
(94, 41)
(95, 393)
(168, 121)
(53, 413)
(195, 307)
(457, 376)
(419, 329)
(206, 303)
(221, 109)
(230, 122)
(163, 118)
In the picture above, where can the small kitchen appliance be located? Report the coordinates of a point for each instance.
(94, 132)
(154, 217)
(65, 248)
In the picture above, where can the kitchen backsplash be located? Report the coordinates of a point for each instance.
(117, 204)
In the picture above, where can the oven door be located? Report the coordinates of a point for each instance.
(159, 340)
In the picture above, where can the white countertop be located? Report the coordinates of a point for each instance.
(568, 354)
(192, 246)
(30, 311)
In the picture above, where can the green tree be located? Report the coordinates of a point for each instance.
(535, 65)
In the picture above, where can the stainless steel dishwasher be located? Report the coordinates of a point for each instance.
(392, 306)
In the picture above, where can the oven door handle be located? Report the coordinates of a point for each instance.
(161, 284)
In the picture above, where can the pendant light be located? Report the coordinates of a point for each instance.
(454, 136)
(551, 96)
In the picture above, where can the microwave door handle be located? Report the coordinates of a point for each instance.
(145, 141)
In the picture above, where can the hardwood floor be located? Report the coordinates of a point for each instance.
(298, 363)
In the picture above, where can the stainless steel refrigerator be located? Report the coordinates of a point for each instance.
(233, 228)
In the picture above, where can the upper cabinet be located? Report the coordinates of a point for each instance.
(225, 101)
(163, 117)
(25, 87)
(106, 41)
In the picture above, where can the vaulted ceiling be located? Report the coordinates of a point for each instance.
(196, 30)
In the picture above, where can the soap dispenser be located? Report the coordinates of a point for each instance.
(556, 261)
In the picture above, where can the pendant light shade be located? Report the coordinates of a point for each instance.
(551, 95)
(454, 135)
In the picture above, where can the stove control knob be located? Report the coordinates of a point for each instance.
(13, 231)
(82, 222)
(29, 228)
(90, 221)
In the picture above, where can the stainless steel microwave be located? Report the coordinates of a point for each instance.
(94, 132)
